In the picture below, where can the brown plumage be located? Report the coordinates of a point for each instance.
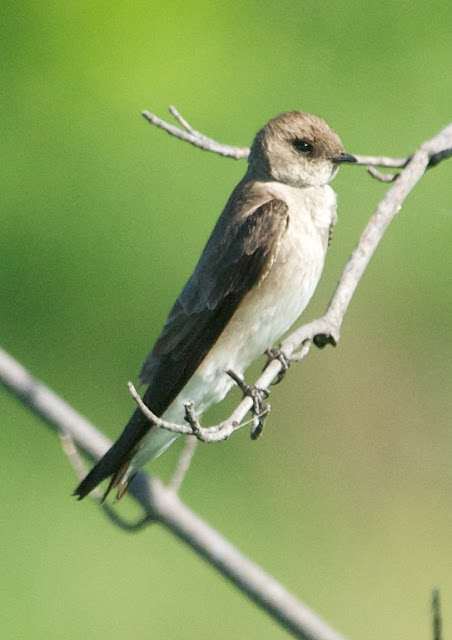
(267, 248)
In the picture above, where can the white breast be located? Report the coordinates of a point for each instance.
(266, 312)
(270, 309)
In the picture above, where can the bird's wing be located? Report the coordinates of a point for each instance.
(229, 268)
(237, 257)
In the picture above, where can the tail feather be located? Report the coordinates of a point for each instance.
(117, 459)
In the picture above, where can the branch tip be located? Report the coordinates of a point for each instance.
(378, 175)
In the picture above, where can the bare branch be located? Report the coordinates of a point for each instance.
(381, 161)
(192, 419)
(184, 463)
(219, 432)
(174, 112)
(161, 504)
(194, 137)
(401, 163)
(382, 177)
(297, 356)
(326, 329)
(215, 433)
(155, 420)
(75, 460)
(198, 139)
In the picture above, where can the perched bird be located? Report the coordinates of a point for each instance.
(254, 278)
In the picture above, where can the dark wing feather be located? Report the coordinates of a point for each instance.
(237, 257)
(210, 299)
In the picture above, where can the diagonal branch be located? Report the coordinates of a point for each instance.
(326, 329)
(198, 139)
(161, 504)
(194, 137)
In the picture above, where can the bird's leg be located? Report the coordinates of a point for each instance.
(278, 354)
(258, 395)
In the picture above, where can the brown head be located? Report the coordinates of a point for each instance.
(298, 149)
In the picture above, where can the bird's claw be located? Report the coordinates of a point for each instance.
(278, 354)
(260, 410)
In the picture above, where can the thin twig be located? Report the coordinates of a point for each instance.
(175, 113)
(75, 460)
(302, 352)
(382, 177)
(216, 433)
(193, 420)
(382, 161)
(198, 139)
(184, 463)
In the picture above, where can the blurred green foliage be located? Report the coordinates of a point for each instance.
(348, 497)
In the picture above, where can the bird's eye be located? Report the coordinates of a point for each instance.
(302, 146)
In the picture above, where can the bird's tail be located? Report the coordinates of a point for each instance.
(116, 461)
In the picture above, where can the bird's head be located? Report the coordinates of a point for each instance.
(298, 149)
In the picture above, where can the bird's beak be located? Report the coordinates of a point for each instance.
(343, 157)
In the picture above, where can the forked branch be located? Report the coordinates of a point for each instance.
(326, 329)
(161, 503)
(198, 139)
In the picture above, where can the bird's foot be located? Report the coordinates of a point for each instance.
(260, 410)
(278, 354)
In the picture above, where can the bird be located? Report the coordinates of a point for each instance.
(254, 278)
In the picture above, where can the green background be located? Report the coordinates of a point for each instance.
(347, 499)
